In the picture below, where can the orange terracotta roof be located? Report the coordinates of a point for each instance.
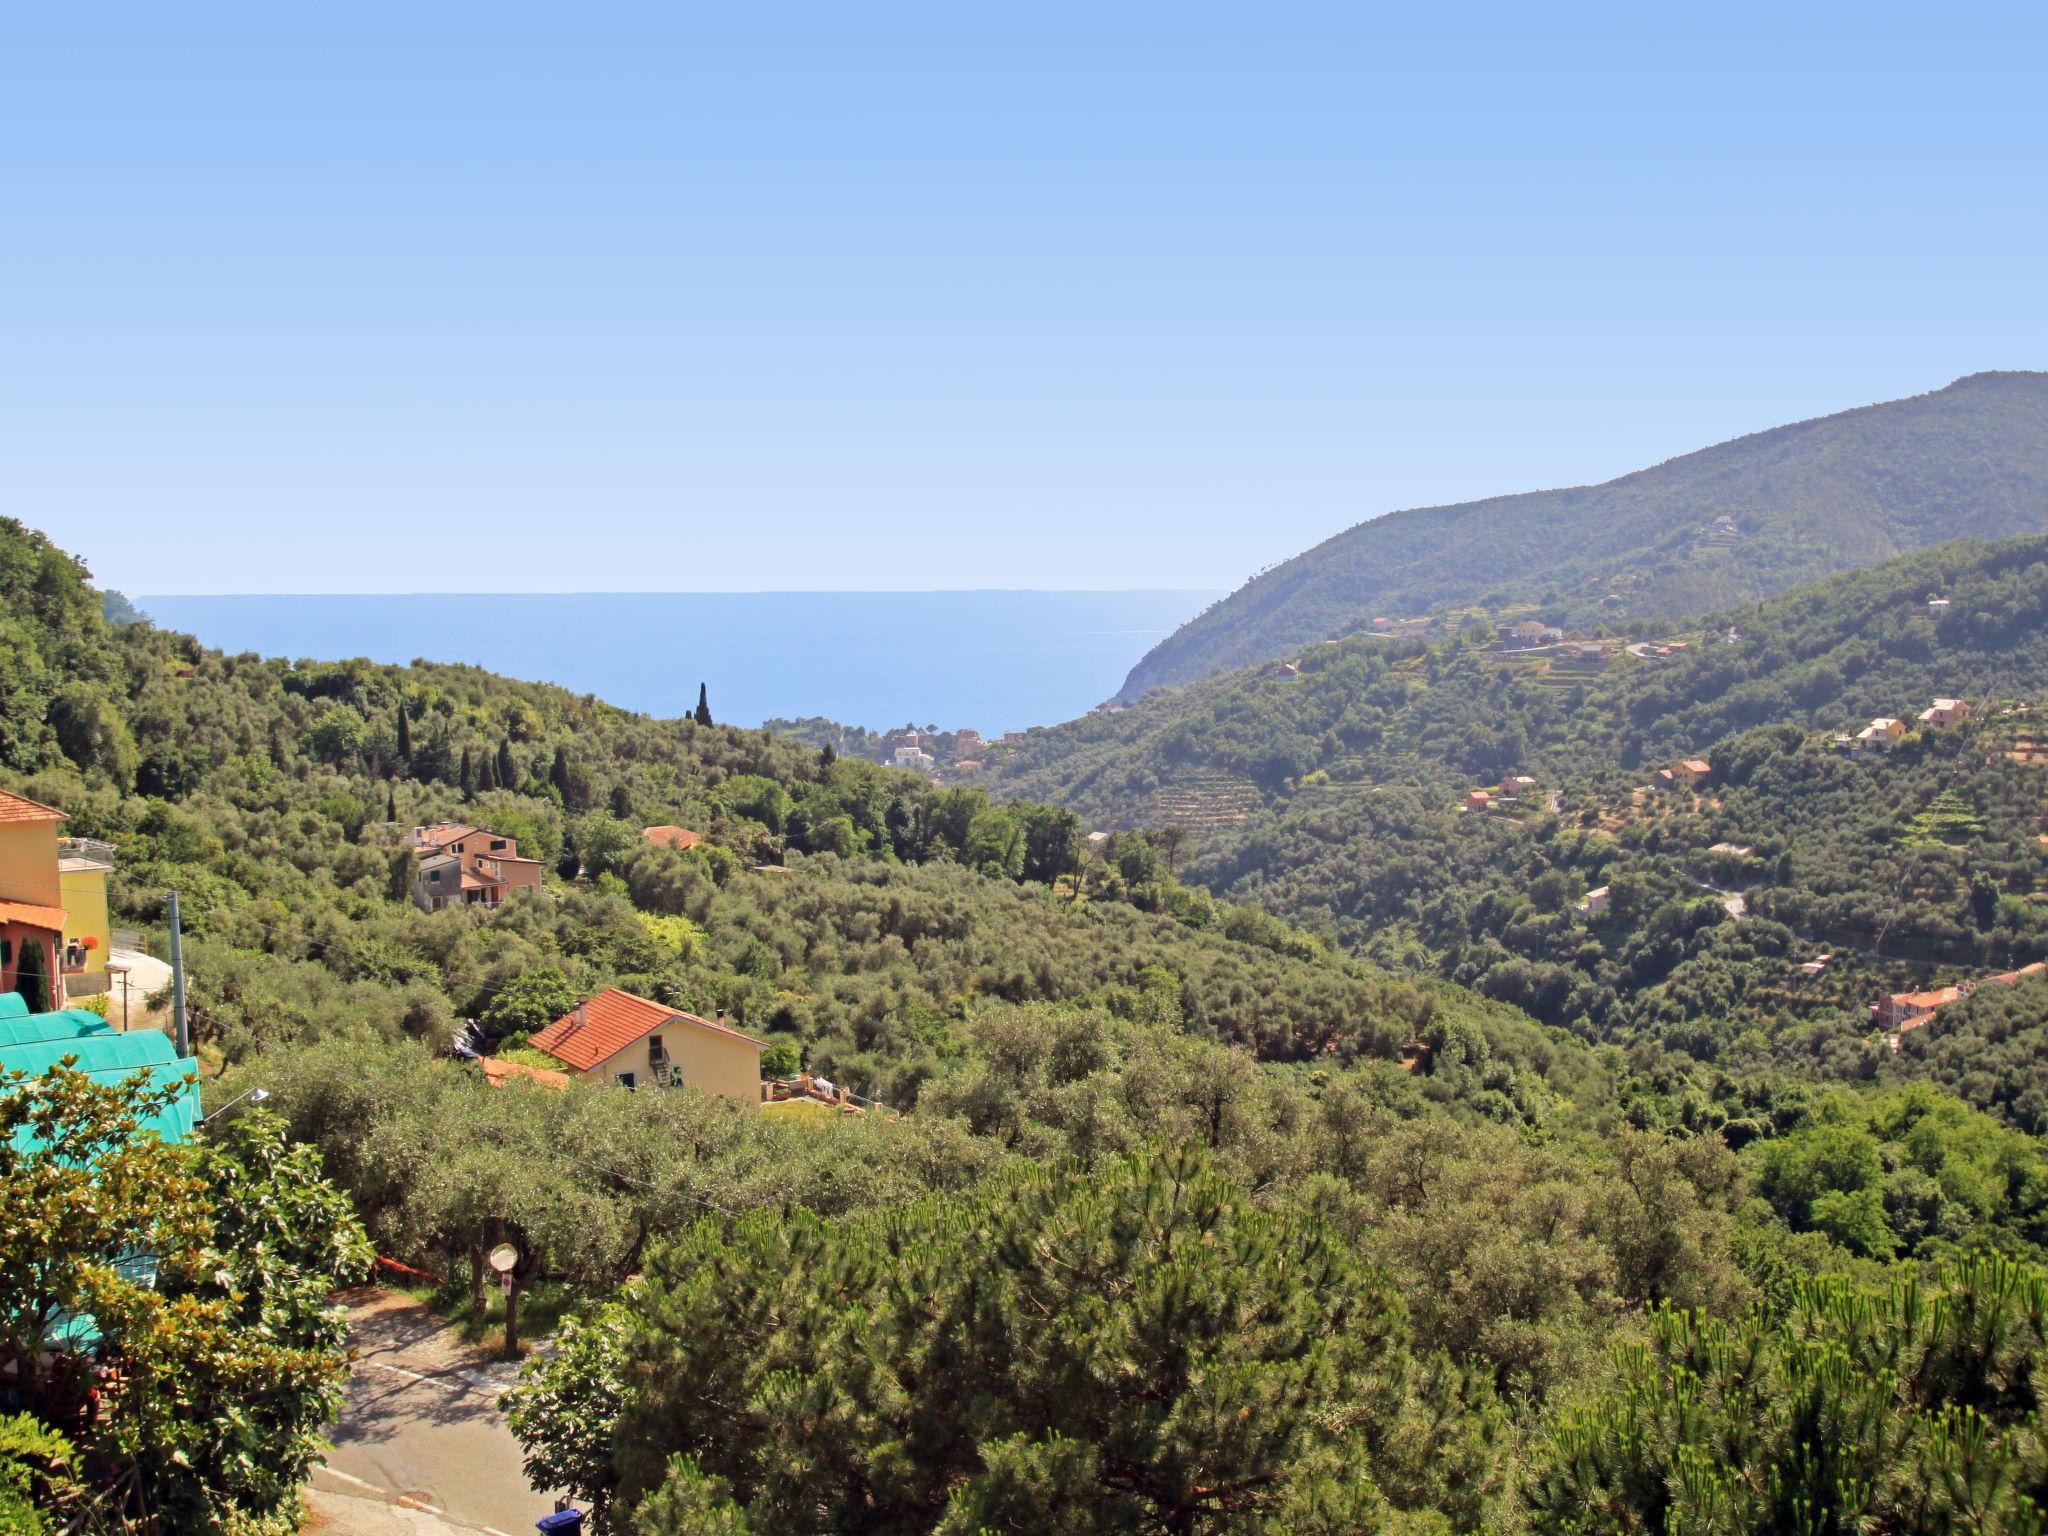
(438, 837)
(1927, 1001)
(19, 810)
(497, 1072)
(32, 916)
(672, 837)
(606, 1024)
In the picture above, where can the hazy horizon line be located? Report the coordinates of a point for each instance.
(139, 597)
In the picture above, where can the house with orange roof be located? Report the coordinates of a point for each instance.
(1884, 731)
(639, 1043)
(1903, 1011)
(678, 838)
(32, 914)
(1909, 1010)
(1946, 712)
(1477, 800)
(1691, 771)
(458, 865)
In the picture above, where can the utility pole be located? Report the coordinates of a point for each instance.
(178, 981)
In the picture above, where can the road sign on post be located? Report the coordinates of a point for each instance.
(504, 1259)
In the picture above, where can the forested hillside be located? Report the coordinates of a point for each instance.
(1183, 1219)
(1903, 867)
(1806, 500)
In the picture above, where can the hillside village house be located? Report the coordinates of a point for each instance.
(1477, 800)
(31, 902)
(1946, 712)
(1903, 1011)
(53, 905)
(1882, 732)
(1517, 785)
(83, 865)
(678, 838)
(1594, 902)
(465, 866)
(1691, 771)
(639, 1043)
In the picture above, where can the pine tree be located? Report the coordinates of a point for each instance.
(1143, 1347)
(703, 713)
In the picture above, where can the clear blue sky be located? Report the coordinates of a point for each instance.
(367, 297)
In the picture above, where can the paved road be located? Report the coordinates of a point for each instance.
(421, 1449)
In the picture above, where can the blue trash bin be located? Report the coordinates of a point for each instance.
(563, 1522)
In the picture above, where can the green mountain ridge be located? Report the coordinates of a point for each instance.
(1349, 774)
(1808, 499)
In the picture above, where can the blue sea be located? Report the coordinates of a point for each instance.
(997, 661)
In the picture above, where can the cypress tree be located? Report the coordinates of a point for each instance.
(703, 712)
(404, 736)
(390, 804)
(486, 771)
(468, 775)
(32, 974)
(508, 771)
(558, 775)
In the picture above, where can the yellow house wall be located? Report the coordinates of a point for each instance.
(28, 864)
(85, 908)
(713, 1063)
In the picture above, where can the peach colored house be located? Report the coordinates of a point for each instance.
(464, 866)
(1477, 800)
(1691, 771)
(1909, 1010)
(1946, 712)
(638, 1043)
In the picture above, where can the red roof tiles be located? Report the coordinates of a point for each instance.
(32, 916)
(606, 1024)
(19, 810)
(672, 837)
(497, 1073)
